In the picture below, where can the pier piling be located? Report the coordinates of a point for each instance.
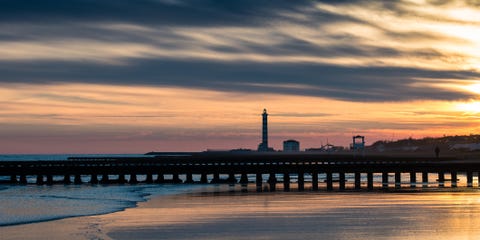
(315, 181)
(329, 181)
(413, 179)
(358, 182)
(370, 181)
(301, 181)
(454, 179)
(203, 178)
(286, 182)
(259, 182)
(78, 179)
(105, 179)
(272, 181)
(94, 179)
(424, 179)
(441, 179)
(341, 179)
(23, 179)
(189, 179)
(398, 180)
(161, 178)
(469, 179)
(385, 180)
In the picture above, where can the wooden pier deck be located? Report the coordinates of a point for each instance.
(240, 166)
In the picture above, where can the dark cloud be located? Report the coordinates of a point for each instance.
(338, 82)
(37, 21)
(195, 12)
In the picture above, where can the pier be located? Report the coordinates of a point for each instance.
(269, 171)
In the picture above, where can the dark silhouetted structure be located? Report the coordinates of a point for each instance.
(263, 147)
(291, 146)
(437, 151)
(245, 167)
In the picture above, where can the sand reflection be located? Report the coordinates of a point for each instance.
(437, 215)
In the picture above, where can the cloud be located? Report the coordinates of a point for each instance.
(337, 82)
(348, 50)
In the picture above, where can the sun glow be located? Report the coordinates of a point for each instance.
(470, 107)
(475, 88)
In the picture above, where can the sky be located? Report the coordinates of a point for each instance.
(110, 76)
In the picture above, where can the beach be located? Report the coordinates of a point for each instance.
(212, 213)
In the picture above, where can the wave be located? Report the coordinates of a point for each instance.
(31, 204)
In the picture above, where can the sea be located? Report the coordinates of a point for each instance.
(23, 204)
(435, 213)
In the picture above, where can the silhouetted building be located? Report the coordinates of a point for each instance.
(263, 147)
(291, 146)
(358, 144)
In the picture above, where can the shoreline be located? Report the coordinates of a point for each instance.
(210, 210)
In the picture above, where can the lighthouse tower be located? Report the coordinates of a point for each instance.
(263, 147)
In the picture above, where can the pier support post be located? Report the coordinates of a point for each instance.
(13, 179)
(469, 179)
(121, 179)
(93, 179)
(286, 182)
(105, 179)
(413, 179)
(259, 182)
(231, 178)
(189, 179)
(329, 181)
(244, 179)
(176, 178)
(49, 179)
(149, 178)
(203, 178)
(301, 181)
(66, 179)
(385, 180)
(23, 179)
(370, 180)
(160, 178)
(454, 179)
(478, 179)
(441, 179)
(133, 178)
(78, 179)
(315, 181)
(216, 178)
(398, 180)
(39, 179)
(341, 181)
(272, 180)
(425, 179)
(358, 182)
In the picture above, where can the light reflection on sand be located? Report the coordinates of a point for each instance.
(434, 215)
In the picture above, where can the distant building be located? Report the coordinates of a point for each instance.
(291, 146)
(358, 144)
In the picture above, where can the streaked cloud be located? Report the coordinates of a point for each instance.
(163, 71)
(401, 41)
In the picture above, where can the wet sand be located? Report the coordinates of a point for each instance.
(294, 215)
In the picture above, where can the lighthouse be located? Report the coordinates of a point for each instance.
(263, 147)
